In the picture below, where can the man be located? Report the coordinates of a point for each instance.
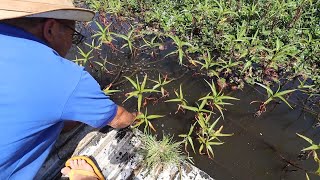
(40, 90)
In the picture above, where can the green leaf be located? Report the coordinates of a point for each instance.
(203, 103)
(190, 108)
(215, 143)
(139, 102)
(284, 92)
(210, 150)
(154, 116)
(269, 91)
(312, 147)
(284, 100)
(307, 177)
(228, 97)
(246, 66)
(191, 143)
(200, 149)
(144, 82)
(173, 100)
(132, 82)
(305, 138)
(214, 124)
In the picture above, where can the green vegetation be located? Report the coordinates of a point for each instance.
(159, 154)
(224, 44)
(265, 39)
(313, 148)
(272, 96)
(139, 90)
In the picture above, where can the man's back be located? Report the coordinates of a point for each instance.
(40, 89)
(35, 86)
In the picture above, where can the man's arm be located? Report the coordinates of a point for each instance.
(122, 119)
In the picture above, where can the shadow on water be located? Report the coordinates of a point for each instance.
(264, 147)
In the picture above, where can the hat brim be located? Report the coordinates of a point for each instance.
(17, 9)
(76, 14)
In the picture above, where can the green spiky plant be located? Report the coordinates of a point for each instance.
(200, 107)
(313, 148)
(180, 99)
(104, 35)
(85, 57)
(129, 38)
(108, 91)
(160, 154)
(140, 89)
(144, 118)
(208, 136)
(217, 99)
(160, 83)
(272, 96)
(187, 139)
(179, 45)
(209, 64)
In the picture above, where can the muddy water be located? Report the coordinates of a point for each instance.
(262, 148)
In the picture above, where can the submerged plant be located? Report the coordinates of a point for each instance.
(103, 34)
(144, 118)
(272, 96)
(108, 91)
(187, 139)
(208, 136)
(160, 154)
(313, 149)
(180, 99)
(140, 88)
(129, 38)
(179, 45)
(217, 99)
(161, 82)
(86, 56)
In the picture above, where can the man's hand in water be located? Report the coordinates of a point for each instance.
(123, 118)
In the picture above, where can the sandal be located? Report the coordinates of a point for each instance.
(97, 174)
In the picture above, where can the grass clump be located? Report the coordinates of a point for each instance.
(160, 154)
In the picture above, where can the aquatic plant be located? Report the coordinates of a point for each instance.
(272, 96)
(208, 136)
(140, 88)
(257, 42)
(180, 99)
(109, 6)
(179, 45)
(103, 34)
(199, 108)
(129, 38)
(187, 139)
(217, 99)
(209, 64)
(313, 148)
(160, 83)
(86, 56)
(108, 91)
(144, 118)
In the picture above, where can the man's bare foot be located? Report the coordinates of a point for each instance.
(78, 164)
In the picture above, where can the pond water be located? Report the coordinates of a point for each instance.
(263, 148)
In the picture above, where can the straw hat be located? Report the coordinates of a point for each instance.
(55, 9)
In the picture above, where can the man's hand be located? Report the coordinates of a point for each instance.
(123, 118)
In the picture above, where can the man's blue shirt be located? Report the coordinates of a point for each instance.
(38, 91)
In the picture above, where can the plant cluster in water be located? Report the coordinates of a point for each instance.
(225, 43)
